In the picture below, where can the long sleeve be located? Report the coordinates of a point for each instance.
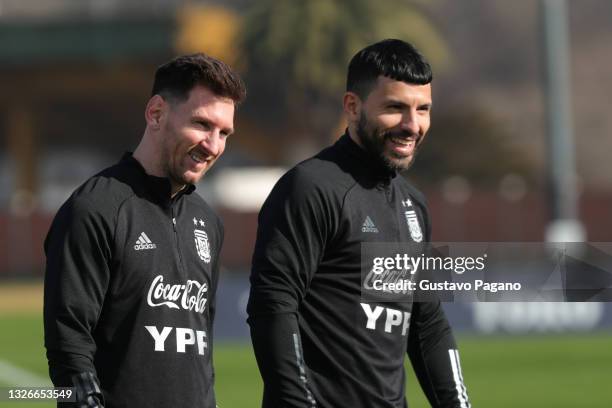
(213, 290)
(278, 351)
(433, 352)
(215, 273)
(293, 228)
(76, 281)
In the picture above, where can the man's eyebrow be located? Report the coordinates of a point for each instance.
(201, 118)
(397, 102)
(392, 101)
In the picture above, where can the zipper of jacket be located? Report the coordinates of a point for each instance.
(387, 189)
(176, 237)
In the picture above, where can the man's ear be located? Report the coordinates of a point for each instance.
(155, 110)
(352, 106)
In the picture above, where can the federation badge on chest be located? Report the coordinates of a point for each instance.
(201, 240)
(202, 246)
(413, 226)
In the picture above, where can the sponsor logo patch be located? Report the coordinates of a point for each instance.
(143, 242)
(368, 226)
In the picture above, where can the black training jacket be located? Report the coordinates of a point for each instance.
(317, 344)
(130, 289)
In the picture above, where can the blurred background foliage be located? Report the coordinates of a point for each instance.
(471, 144)
(208, 27)
(295, 53)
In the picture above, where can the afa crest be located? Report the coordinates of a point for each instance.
(415, 230)
(413, 225)
(202, 245)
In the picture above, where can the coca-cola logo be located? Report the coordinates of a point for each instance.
(188, 296)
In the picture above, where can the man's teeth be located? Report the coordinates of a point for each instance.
(196, 158)
(402, 142)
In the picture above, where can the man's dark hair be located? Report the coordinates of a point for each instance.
(395, 59)
(177, 77)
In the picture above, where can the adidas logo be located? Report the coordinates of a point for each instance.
(144, 242)
(368, 226)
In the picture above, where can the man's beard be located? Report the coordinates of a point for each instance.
(373, 140)
(171, 172)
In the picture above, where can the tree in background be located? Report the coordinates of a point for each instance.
(206, 28)
(295, 55)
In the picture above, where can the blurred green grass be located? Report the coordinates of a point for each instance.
(527, 371)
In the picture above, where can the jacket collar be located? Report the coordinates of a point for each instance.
(364, 162)
(158, 189)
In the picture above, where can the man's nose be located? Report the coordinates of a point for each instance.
(410, 122)
(212, 143)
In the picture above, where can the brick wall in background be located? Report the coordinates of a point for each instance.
(483, 217)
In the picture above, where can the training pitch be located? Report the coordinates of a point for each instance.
(543, 371)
